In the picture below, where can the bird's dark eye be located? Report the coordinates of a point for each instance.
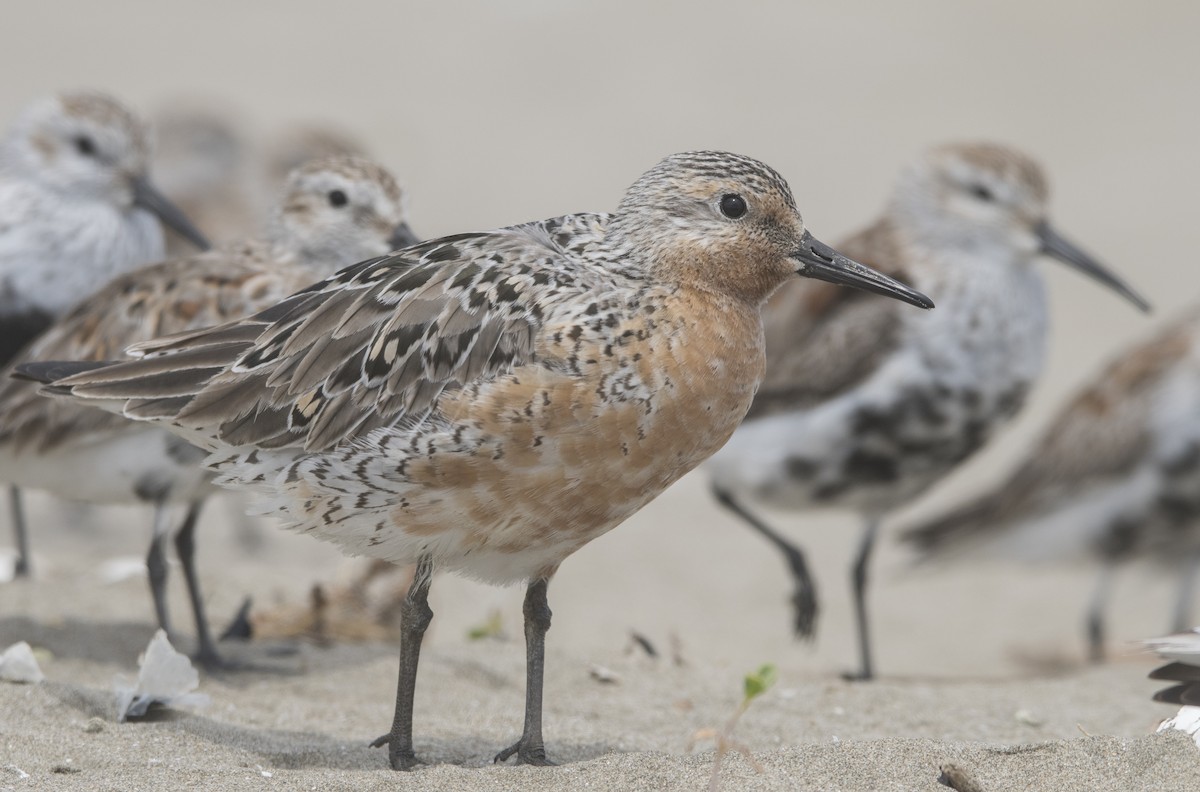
(337, 198)
(733, 206)
(85, 146)
(982, 193)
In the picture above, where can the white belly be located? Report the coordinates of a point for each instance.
(146, 464)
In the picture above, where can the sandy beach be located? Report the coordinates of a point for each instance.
(977, 672)
(493, 116)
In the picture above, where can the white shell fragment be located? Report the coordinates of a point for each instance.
(603, 675)
(18, 664)
(166, 677)
(1187, 720)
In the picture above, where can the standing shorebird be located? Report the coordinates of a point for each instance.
(865, 407)
(76, 210)
(1116, 475)
(331, 213)
(489, 403)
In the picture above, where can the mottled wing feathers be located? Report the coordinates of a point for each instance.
(374, 344)
(824, 339)
(1102, 434)
(165, 298)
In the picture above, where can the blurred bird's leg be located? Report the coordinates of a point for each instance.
(858, 573)
(804, 595)
(1095, 613)
(185, 546)
(156, 568)
(1188, 573)
(20, 532)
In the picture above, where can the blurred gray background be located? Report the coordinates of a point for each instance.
(498, 113)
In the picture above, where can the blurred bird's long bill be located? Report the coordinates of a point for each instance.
(402, 236)
(149, 198)
(1061, 248)
(822, 262)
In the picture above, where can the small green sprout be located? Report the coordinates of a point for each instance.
(753, 685)
(758, 682)
(492, 628)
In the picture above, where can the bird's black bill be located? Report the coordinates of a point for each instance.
(1065, 251)
(150, 199)
(402, 237)
(822, 262)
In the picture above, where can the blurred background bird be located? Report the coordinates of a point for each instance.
(77, 208)
(1114, 477)
(331, 213)
(865, 407)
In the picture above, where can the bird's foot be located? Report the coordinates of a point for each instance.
(804, 610)
(526, 753)
(400, 759)
(241, 628)
(212, 661)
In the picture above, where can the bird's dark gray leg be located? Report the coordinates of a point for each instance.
(156, 568)
(862, 560)
(185, 546)
(530, 749)
(804, 593)
(20, 532)
(1095, 613)
(415, 616)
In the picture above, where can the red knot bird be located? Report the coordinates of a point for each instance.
(1115, 476)
(77, 209)
(877, 405)
(489, 403)
(330, 213)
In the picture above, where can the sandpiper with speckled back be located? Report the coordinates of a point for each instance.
(330, 213)
(865, 407)
(489, 403)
